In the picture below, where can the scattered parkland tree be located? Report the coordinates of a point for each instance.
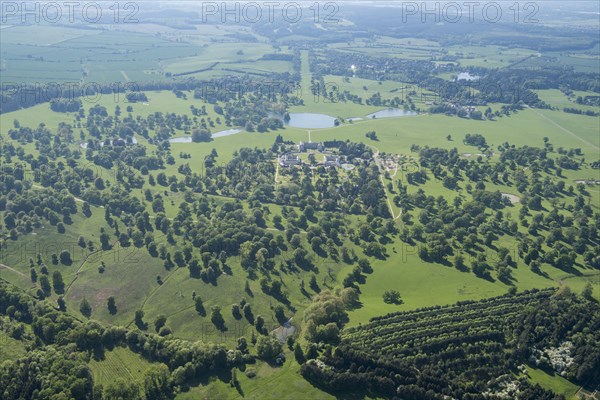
(62, 306)
(85, 308)
(159, 322)
(111, 305)
(217, 318)
(57, 282)
(268, 347)
(45, 285)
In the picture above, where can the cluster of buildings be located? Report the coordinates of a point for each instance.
(292, 159)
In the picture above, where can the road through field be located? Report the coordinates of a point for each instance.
(12, 269)
(380, 168)
(564, 129)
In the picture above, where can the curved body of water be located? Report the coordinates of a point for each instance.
(185, 139)
(391, 112)
(226, 133)
(188, 139)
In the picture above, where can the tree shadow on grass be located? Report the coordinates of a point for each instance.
(510, 281)
(541, 273)
(462, 268)
(570, 269)
(362, 395)
(485, 276)
(200, 309)
(222, 374)
(141, 325)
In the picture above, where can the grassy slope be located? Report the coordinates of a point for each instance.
(270, 383)
(119, 363)
(11, 349)
(556, 383)
(556, 98)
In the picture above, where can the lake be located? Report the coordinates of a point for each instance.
(308, 120)
(226, 133)
(188, 139)
(391, 112)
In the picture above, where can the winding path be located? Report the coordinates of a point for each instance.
(12, 269)
(77, 199)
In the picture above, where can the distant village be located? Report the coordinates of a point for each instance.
(292, 158)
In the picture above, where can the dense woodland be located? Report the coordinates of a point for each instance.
(469, 350)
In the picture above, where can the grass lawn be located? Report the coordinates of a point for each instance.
(131, 275)
(10, 349)
(119, 363)
(527, 127)
(47, 241)
(556, 383)
(556, 98)
(283, 382)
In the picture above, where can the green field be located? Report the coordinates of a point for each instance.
(556, 383)
(283, 382)
(556, 98)
(119, 363)
(11, 349)
(137, 53)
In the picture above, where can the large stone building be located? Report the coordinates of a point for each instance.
(289, 159)
(331, 161)
(303, 146)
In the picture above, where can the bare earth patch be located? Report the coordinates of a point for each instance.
(514, 199)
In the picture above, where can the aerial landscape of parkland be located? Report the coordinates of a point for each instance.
(300, 200)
